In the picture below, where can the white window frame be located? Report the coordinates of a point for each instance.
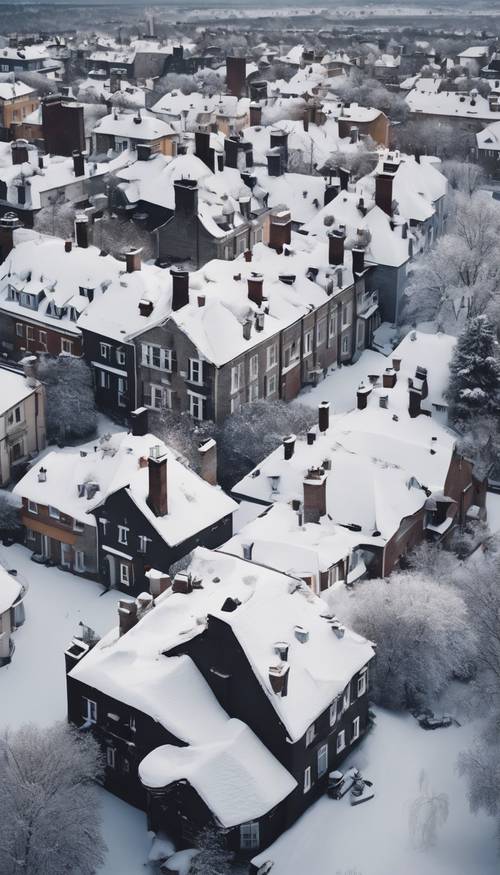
(310, 734)
(66, 345)
(105, 350)
(308, 342)
(340, 743)
(156, 394)
(79, 563)
(124, 574)
(271, 356)
(236, 378)
(54, 513)
(195, 374)
(333, 713)
(362, 684)
(65, 560)
(32, 506)
(254, 367)
(355, 729)
(89, 710)
(196, 405)
(20, 329)
(253, 391)
(322, 760)
(250, 836)
(123, 535)
(346, 698)
(104, 379)
(120, 356)
(332, 326)
(271, 385)
(307, 779)
(320, 332)
(345, 343)
(143, 544)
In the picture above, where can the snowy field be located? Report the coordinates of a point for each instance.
(327, 839)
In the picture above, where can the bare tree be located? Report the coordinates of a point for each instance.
(49, 811)
(428, 812)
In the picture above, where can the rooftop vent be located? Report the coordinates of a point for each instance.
(301, 634)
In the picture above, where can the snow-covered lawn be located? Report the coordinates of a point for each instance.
(339, 387)
(374, 838)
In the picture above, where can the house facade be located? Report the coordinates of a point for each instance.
(22, 422)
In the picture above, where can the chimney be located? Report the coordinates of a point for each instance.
(82, 230)
(383, 192)
(255, 115)
(280, 230)
(324, 415)
(186, 197)
(157, 467)
(158, 582)
(344, 177)
(311, 437)
(389, 378)
(279, 140)
(396, 364)
(231, 151)
(145, 307)
(236, 76)
(278, 678)
(288, 446)
(245, 203)
(421, 374)
(247, 329)
(354, 135)
(180, 288)
(41, 163)
(314, 495)
(417, 156)
(143, 151)
(358, 260)
(362, 395)
(274, 162)
(8, 224)
(331, 192)
(127, 615)
(19, 150)
(255, 286)
(68, 245)
(139, 421)
(78, 163)
(208, 457)
(414, 400)
(336, 241)
(29, 364)
(201, 300)
(202, 149)
(305, 120)
(133, 260)
(248, 255)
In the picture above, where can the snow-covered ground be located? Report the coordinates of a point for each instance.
(493, 508)
(374, 838)
(340, 385)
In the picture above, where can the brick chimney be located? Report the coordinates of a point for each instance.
(208, 457)
(236, 76)
(255, 287)
(331, 192)
(344, 177)
(336, 240)
(389, 378)
(202, 149)
(362, 395)
(78, 163)
(305, 119)
(288, 446)
(139, 421)
(8, 224)
(358, 260)
(383, 192)
(255, 115)
(157, 468)
(324, 415)
(186, 197)
(19, 151)
(127, 615)
(396, 364)
(421, 374)
(274, 162)
(278, 678)
(133, 260)
(143, 151)
(180, 288)
(279, 140)
(280, 230)
(414, 400)
(82, 230)
(158, 582)
(314, 495)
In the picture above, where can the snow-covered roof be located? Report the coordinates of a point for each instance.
(489, 137)
(475, 52)
(10, 589)
(193, 504)
(450, 103)
(135, 126)
(137, 669)
(57, 173)
(319, 142)
(11, 90)
(234, 774)
(14, 389)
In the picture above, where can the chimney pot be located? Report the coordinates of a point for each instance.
(363, 394)
(323, 416)
(289, 446)
(383, 192)
(314, 495)
(127, 615)
(157, 468)
(133, 260)
(208, 457)
(255, 288)
(278, 678)
(396, 364)
(336, 240)
(139, 421)
(180, 288)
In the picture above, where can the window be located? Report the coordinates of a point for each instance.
(42, 337)
(89, 710)
(322, 760)
(104, 379)
(131, 723)
(122, 390)
(333, 713)
(78, 526)
(346, 314)
(30, 535)
(249, 836)
(15, 415)
(290, 354)
(124, 574)
(79, 561)
(346, 699)
(341, 741)
(236, 377)
(19, 329)
(123, 535)
(253, 391)
(32, 507)
(272, 356)
(310, 735)
(196, 405)
(362, 684)
(103, 522)
(254, 367)
(105, 349)
(29, 332)
(66, 345)
(321, 332)
(332, 326)
(156, 357)
(355, 729)
(155, 397)
(235, 404)
(360, 333)
(54, 513)
(111, 757)
(143, 543)
(16, 451)
(65, 555)
(271, 385)
(308, 342)
(195, 371)
(345, 343)
(120, 356)
(307, 779)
